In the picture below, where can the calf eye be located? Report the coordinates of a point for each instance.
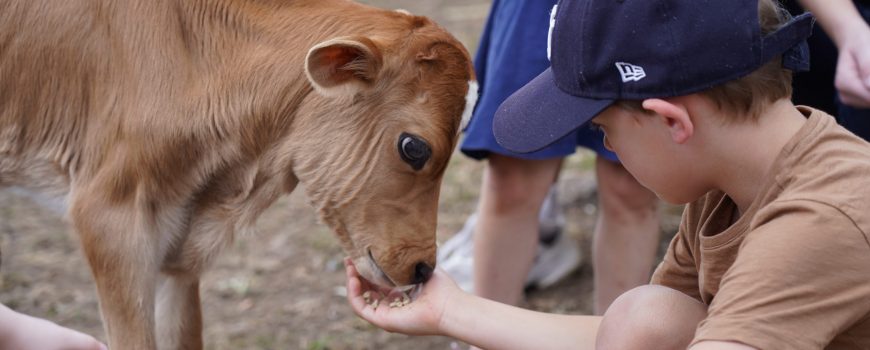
(413, 150)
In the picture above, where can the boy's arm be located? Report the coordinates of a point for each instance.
(441, 308)
(492, 325)
(841, 20)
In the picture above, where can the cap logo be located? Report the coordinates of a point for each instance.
(630, 72)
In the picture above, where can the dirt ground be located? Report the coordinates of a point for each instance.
(281, 288)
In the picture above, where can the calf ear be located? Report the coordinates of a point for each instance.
(343, 66)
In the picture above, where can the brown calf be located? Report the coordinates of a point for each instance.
(168, 126)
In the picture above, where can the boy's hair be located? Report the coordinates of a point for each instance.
(747, 96)
(625, 37)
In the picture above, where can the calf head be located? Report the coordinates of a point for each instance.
(378, 136)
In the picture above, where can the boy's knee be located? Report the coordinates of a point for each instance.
(650, 315)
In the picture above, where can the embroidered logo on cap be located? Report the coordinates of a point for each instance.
(630, 72)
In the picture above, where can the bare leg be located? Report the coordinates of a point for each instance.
(179, 319)
(506, 237)
(626, 236)
(650, 315)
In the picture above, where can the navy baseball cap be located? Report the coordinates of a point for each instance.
(608, 50)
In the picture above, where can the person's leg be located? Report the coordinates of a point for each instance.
(650, 315)
(506, 236)
(626, 236)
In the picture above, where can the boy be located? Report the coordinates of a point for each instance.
(773, 251)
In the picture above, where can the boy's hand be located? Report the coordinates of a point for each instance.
(422, 316)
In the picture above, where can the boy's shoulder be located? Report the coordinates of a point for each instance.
(828, 165)
(824, 169)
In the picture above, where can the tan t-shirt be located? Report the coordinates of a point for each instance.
(793, 272)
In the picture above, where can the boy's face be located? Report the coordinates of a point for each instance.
(646, 148)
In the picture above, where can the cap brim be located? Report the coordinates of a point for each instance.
(540, 113)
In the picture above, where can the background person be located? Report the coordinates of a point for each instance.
(507, 252)
(838, 81)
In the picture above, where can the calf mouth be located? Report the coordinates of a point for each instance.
(381, 278)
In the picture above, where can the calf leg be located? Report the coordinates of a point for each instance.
(122, 251)
(179, 319)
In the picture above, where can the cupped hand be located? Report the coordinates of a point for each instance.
(422, 316)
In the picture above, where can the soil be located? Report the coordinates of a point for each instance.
(282, 286)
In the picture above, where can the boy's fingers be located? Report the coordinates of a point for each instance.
(352, 273)
(354, 295)
(354, 288)
(349, 269)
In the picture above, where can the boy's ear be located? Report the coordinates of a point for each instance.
(675, 116)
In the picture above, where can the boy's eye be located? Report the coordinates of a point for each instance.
(594, 126)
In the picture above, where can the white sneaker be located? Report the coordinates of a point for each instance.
(554, 262)
(557, 256)
(551, 219)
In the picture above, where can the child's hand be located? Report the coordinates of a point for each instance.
(422, 316)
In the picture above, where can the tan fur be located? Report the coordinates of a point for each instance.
(170, 125)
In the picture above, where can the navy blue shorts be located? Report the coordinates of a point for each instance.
(513, 51)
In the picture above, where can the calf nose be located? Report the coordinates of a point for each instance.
(422, 272)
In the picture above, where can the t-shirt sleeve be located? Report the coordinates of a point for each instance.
(678, 269)
(800, 279)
